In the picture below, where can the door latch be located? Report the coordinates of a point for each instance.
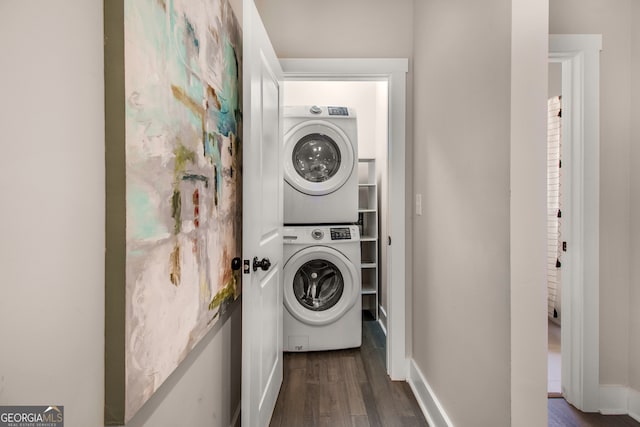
(263, 264)
(246, 269)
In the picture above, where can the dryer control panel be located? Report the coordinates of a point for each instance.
(342, 233)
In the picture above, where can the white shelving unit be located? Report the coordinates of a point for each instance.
(368, 223)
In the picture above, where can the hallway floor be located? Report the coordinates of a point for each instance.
(345, 388)
(554, 378)
(561, 414)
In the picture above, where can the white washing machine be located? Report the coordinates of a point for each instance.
(320, 165)
(323, 307)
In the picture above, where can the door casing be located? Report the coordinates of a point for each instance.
(580, 59)
(398, 259)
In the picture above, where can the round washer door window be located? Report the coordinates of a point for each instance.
(318, 285)
(318, 158)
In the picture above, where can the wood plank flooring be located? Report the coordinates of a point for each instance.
(351, 388)
(561, 414)
(345, 388)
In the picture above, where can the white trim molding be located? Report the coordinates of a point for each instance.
(614, 400)
(394, 70)
(580, 58)
(382, 319)
(619, 400)
(235, 421)
(427, 400)
(634, 404)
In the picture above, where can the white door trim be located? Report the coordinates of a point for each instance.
(393, 70)
(580, 59)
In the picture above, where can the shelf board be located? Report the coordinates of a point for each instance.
(368, 291)
(368, 238)
(367, 185)
(367, 210)
(368, 265)
(366, 159)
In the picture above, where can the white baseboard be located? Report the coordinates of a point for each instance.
(382, 319)
(429, 403)
(634, 404)
(619, 400)
(235, 421)
(614, 400)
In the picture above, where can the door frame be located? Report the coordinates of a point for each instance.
(579, 56)
(394, 71)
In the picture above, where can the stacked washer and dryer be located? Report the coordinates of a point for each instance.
(322, 280)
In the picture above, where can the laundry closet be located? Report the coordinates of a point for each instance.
(335, 195)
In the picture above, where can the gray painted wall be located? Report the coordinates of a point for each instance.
(555, 79)
(634, 300)
(612, 19)
(52, 228)
(461, 243)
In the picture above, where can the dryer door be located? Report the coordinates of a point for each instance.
(320, 285)
(318, 157)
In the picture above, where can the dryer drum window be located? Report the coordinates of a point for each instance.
(316, 157)
(318, 285)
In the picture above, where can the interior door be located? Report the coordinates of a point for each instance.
(262, 224)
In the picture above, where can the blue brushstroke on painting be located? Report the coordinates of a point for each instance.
(144, 215)
(229, 96)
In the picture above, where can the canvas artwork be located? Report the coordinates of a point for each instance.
(183, 120)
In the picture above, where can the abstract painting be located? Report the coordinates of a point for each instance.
(183, 169)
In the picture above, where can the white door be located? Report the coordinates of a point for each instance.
(262, 224)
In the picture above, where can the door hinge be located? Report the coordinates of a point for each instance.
(558, 263)
(559, 213)
(564, 246)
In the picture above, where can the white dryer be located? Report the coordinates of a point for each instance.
(320, 165)
(323, 307)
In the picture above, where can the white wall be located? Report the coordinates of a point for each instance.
(461, 339)
(612, 19)
(52, 228)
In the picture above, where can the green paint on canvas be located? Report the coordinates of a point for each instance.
(144, 215)
(227, 293)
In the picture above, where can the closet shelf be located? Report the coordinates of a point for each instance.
(368, 223)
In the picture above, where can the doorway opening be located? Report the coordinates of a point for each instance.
(380, 86)
(370, 101)
(554, 230)
(579, 59)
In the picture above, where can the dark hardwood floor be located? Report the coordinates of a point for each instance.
(351, 388)
(561, 414)
(345, 388)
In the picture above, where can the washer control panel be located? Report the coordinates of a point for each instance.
(342, 233)
(338, 111)
(317, 234)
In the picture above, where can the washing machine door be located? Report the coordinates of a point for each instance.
(318, 157)
(320, 285)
